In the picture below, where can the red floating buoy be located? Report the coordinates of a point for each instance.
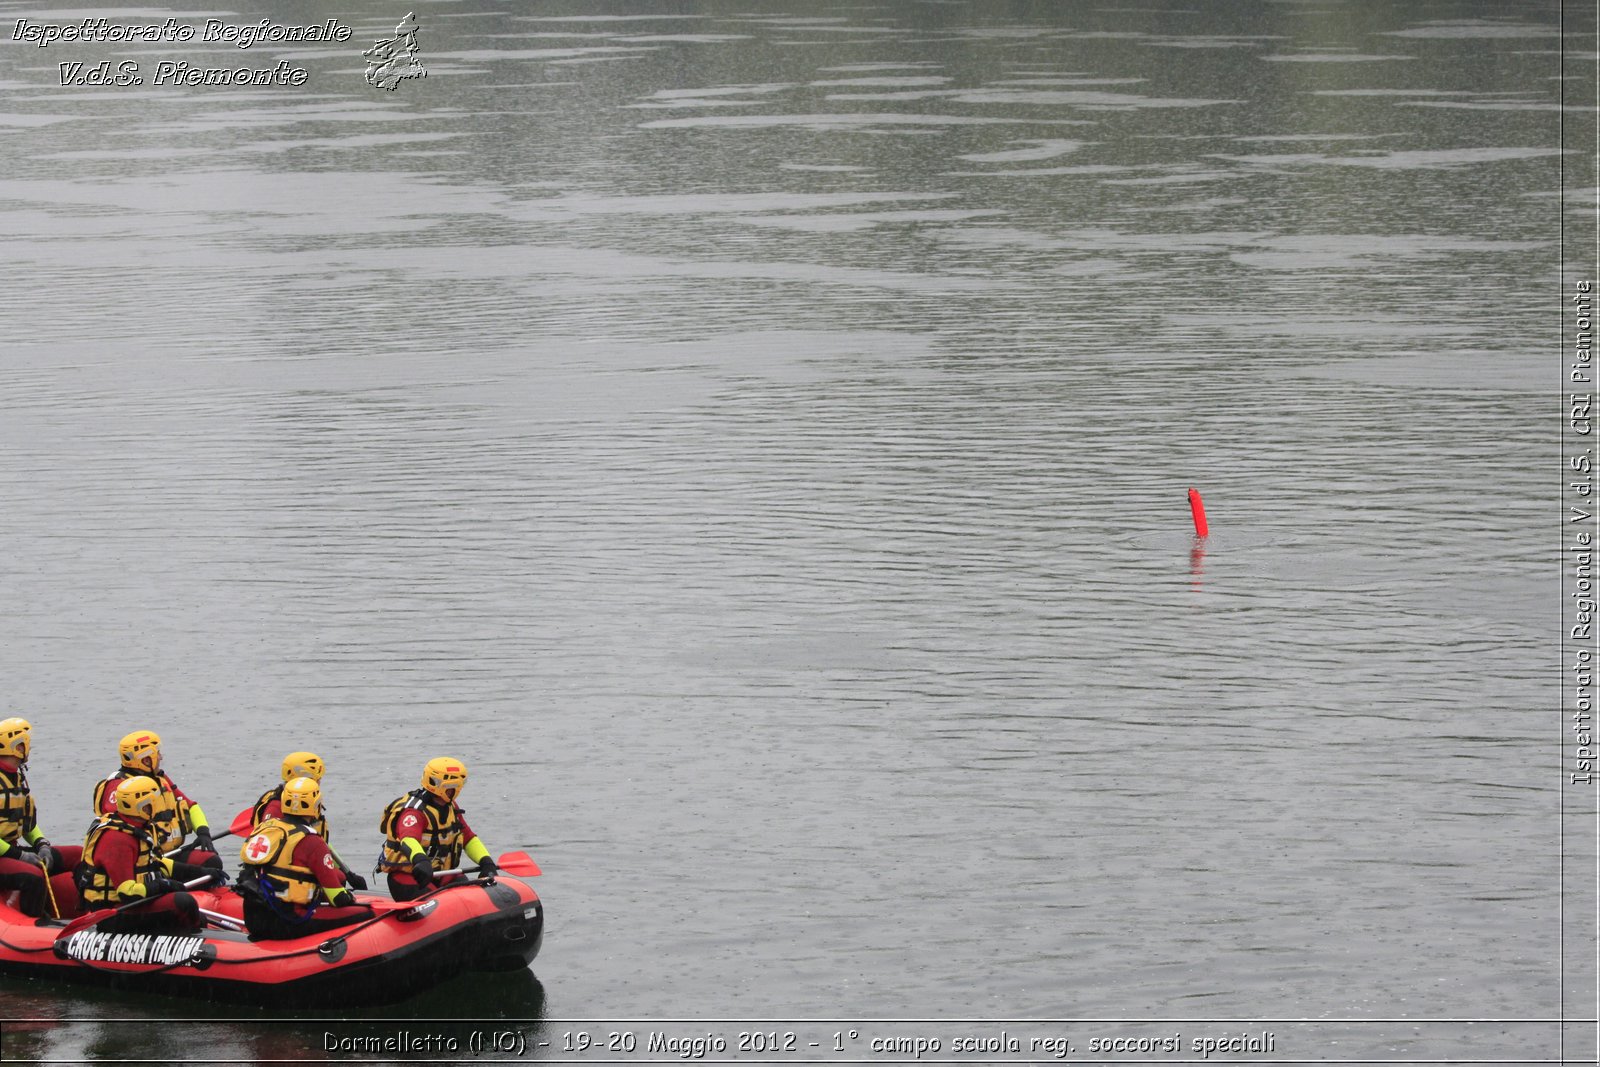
(1197, 508)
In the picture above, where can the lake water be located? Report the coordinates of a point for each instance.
(755, 437)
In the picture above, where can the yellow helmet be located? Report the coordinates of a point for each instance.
(139, 798)
(302, 765)
(444, 777)
(15, 736)
(302, 796)
(141, 751)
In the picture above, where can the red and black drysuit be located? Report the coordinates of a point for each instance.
(22, 859)
(292, 883)
(121, 866)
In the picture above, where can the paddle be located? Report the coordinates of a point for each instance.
(519, 864)
(94, 918)
(227, 922)
(242, 823)
(514, 863)
(384, 904)
(190, 845)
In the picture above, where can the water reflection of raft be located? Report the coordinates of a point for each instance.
(492, 925)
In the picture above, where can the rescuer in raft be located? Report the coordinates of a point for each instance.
(141, 755)
(425, 832)
(26, 858)
(291, 882)
(270, 805)
(122, 864)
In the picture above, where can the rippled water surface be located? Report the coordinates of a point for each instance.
(755, 438)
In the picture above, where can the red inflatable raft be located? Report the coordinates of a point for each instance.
(495, 924)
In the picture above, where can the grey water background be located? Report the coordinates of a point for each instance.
(755, 437)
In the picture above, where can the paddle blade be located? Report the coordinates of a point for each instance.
(87, 919)
(519, 863)
(242, 824)
(103, 914)
(382, 905)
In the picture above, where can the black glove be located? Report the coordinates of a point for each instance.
(355, 880)
(342, 899)
(164, 885)
(218, 875)
(486, 868)
(47, 855)
(422, 870)
(202, 838)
